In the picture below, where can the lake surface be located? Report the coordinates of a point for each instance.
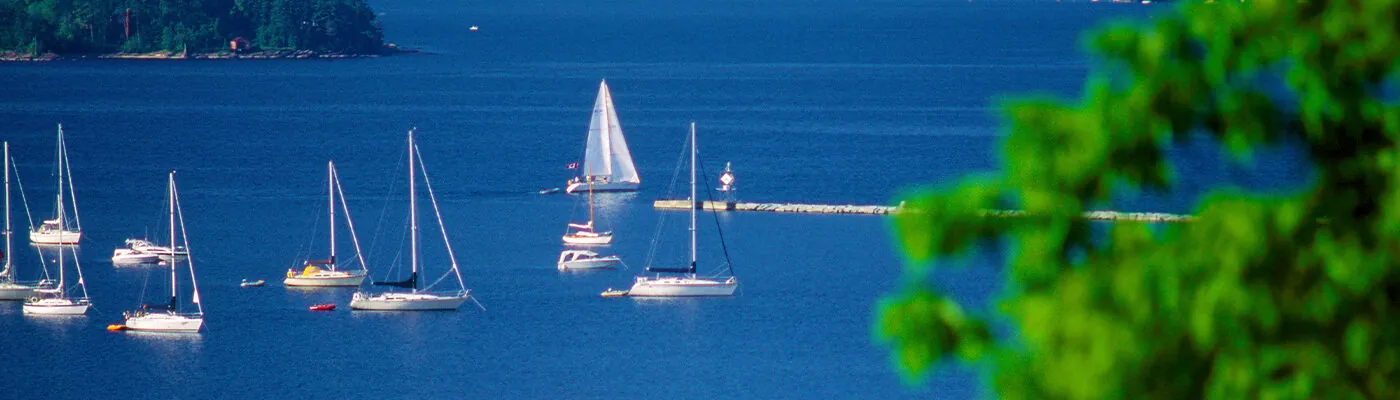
(824, 102)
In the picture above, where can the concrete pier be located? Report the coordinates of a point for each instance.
(881, 210)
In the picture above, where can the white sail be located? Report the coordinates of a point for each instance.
(606, 155)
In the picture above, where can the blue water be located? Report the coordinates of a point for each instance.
(829, 101)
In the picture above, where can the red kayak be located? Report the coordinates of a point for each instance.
(323, 307)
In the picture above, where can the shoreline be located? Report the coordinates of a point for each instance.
(389, 50)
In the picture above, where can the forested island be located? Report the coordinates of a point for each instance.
(47, 29)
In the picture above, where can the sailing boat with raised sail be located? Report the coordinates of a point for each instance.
(416, 299)
(167, 317)
(684, 281)
(607, 163)
(584, 234)
(321, 273)
(59, 230)
(11, 289)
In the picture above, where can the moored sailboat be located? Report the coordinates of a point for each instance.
(607, 163)
(59, 230)
(417, 298)
(10, 288)
(684, 281)
(585, 234)
(55, 301)
(167, 317)
(322, 273)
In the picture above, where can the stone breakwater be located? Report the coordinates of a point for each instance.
(881, 210)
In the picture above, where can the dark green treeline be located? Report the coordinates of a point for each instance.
(106, 26)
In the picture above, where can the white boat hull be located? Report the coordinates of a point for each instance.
(589, 239)
(165, 322)
(682, 287)
(55, 237)
(57, 306)
(582, 187)
(326, 278)
(407, 301)
(594, 263)
(13, 291)
(129, 256)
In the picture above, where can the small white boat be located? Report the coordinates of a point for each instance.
(145, 246)
(584, 259)
(168, 318)
(323, 273)
(685, 282)
(613, 293)
(58, 230)
(248, 283)
(607, 162)
(416, 299)
(132, 256)
(474, 28)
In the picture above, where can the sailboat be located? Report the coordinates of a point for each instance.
(679, 282)
(607, 164)
(167, 317)
(416, 299)
(55, 301)
(11, 289)
(324, 272)
(584, 234)
(58, 230)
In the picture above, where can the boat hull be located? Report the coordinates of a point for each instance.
(55, 237)
(407, 302)
(588, 240)
(595, 263)
(165, 322)
(326, 278)
(582, 187)
(56, 306)
(129, 256)
(11, 291)
(682, 287)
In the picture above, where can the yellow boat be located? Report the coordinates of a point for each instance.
(116, 327)
(614, 293)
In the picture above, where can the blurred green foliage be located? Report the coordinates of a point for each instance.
(1279, 295)
(102, 26)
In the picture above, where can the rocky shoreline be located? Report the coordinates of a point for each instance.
(10, 56)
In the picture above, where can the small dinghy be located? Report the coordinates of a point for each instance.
(614, 293)
(248, 283)
(323, 307)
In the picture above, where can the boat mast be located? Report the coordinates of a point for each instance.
(590, 202)
(694, 202)
(174, 262)
(330, 202)
(61, 223)
(412, 212)
(9, 274)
